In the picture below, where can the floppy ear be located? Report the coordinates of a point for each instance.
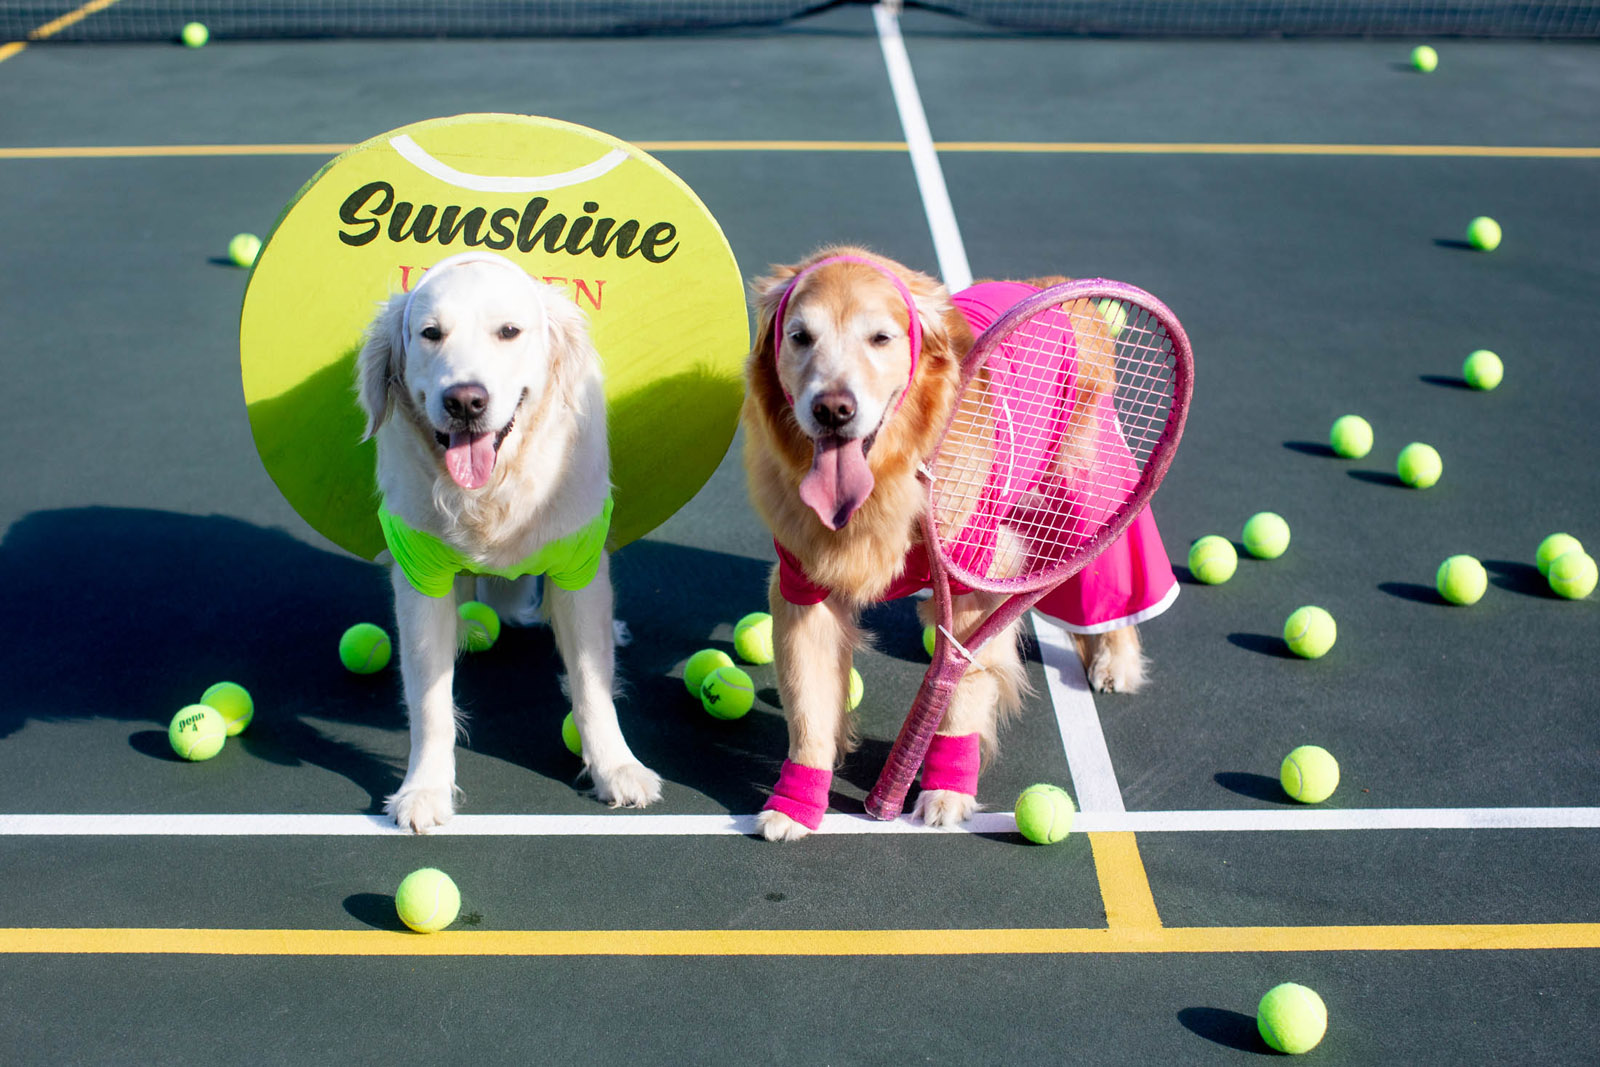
(573, 358)
(765, 296)
(379, 364)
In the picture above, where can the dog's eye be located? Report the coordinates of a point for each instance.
(880, 339)
(801, 337)
(508, 332)
(432, 333)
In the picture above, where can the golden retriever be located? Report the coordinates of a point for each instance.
(486, 398)
(837, 420)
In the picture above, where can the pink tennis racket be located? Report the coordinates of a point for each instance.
(1071, 408)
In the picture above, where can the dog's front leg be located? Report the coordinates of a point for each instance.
(427, 627)
(812, 645)
(581, 620)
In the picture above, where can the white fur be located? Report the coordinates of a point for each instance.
(550, 478)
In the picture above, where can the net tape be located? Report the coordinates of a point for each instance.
(161, 20)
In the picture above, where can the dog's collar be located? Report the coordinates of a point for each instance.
(457, 260)
(913, 329)
(431, 565)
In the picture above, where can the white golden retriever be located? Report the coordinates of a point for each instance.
(485, 395)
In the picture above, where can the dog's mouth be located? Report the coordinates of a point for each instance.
(470, 454)
(840, 480)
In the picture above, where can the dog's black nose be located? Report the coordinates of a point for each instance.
(834, 409)
(465, 402)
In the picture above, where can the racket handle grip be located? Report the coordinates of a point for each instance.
(888, 796)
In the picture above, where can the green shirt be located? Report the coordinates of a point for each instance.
(431, 565)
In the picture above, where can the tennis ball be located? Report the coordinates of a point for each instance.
(1115, 314)
(1461, 580)
(243, 249)
(1292, 1018)
(364, 648)
(1424, 58)
(1266, 535)
(1310, 774)
(1573, 575)
(752, 637)
(1419, 465)
(233, 703)
(727, 693)
(701, 664)
(1351, 437)
(1310, 632)
(858, 689)
(195, 34)
(197, 732)
(1483, 233)
(930, 636)
(1553, 548)
(1483, 370)
(569, 734)
(427, 900)
(481, 627)
(1045, 813)
(1212, 559)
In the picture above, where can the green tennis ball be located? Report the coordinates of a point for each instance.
(701, 664)
(1115, 314)
(1461, 580)
(1310, 774)
(727, 693)
(480, 626)
(858, 689)
(364, 648)
(195, 34)
(1573, 575)
(752, 637)
(1419, 465)
(1045, 813)
(569, 735)
(197, 732)
(1553, 548)
(1483, 369)
(1483, 233)
(233, 703)
(1424, 58)
(243, 249)
(1310, 632)
(1292, 1018)
(1266, 535)
(1351, 437)
(930, 637)
(1212, 559)
(427, 900)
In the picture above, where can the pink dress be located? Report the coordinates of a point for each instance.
(1130, 582)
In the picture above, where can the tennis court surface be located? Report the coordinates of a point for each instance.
(1299, 201)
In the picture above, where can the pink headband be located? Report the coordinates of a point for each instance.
(914, 330)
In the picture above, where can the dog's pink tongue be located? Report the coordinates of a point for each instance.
(839, 482)
(470, 459)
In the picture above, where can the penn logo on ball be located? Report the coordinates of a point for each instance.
(727, 693)
(197, 732)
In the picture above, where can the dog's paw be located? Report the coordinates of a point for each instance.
(776, 826)
(420, 808)
(945, 807)
(1116, 671)
(627, 785)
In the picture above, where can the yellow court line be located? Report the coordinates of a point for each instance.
(1448, 938)
(1124, 886)
(995, 147)
(50, 29)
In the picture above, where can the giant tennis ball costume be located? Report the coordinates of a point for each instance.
(618, 232)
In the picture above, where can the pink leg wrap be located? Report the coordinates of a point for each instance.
(952, 763)
(801, 794)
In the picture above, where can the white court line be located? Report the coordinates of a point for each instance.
(947, 245)
(1245, 821)
(1093, 776)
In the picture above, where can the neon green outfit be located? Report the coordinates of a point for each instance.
(431, 565)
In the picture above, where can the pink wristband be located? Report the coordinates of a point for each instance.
(801, 794)
(952, 763)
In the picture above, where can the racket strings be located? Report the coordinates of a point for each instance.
(1052, 438)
